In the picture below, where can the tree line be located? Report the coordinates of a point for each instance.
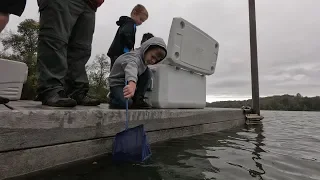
(280, 102)
(22, 46)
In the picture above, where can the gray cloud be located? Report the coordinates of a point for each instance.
(288, 40)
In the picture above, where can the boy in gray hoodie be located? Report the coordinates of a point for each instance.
(131, 67)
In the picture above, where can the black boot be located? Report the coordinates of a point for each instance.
(85, 100)
(139, 103)
(59, 100)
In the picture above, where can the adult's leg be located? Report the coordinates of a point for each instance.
(56, 21)
(79, 52)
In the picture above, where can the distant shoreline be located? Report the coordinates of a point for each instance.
(275, 103)
(265, 109)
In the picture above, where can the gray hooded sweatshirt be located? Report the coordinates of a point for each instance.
(129, 66)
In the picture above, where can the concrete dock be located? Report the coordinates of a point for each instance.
(35, 137)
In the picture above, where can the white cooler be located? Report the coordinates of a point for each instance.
(12, 76)
(179, 81)
(176, 88)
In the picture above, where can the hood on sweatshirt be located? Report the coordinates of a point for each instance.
(154, 41)
(130, 65)
(124, 19)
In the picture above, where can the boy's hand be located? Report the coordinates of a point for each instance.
(129, 90)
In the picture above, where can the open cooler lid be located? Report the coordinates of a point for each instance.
(190, 48)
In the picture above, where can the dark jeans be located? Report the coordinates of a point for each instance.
(117, 99)
(64, 47)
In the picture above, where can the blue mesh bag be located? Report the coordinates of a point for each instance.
(131, 145)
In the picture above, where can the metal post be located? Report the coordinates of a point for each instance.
(254, 58)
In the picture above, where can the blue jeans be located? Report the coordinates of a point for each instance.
(117, 99)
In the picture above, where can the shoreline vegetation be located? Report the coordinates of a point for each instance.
(284, 102)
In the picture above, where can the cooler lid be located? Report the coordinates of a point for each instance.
(191, 48)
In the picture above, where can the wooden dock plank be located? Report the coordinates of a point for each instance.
(21, 129)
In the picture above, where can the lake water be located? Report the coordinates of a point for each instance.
(286, 146)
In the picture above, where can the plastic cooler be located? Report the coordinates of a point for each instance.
(176, 88)
(12, 76)
(179, 81)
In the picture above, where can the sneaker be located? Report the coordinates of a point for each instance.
(59, 100)
(86, 100)
(140, 104)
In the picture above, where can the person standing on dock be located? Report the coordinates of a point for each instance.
(64, 47)
(7, 7)
(124, 39)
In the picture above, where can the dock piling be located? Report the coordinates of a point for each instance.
(254, 58)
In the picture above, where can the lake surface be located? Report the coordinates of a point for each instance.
(286, 146)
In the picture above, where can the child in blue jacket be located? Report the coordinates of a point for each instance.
(124, 39)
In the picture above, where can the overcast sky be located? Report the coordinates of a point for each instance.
(288, 40)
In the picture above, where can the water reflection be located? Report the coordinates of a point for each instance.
(257, 150)
(182, 159)
(233, 149)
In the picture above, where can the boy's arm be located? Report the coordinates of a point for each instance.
(131, 71)
(127, 32)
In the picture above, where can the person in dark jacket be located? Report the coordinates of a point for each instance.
(64, 48)
(8, 7)
(124, 39)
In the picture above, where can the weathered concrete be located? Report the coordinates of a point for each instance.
(35, 137)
